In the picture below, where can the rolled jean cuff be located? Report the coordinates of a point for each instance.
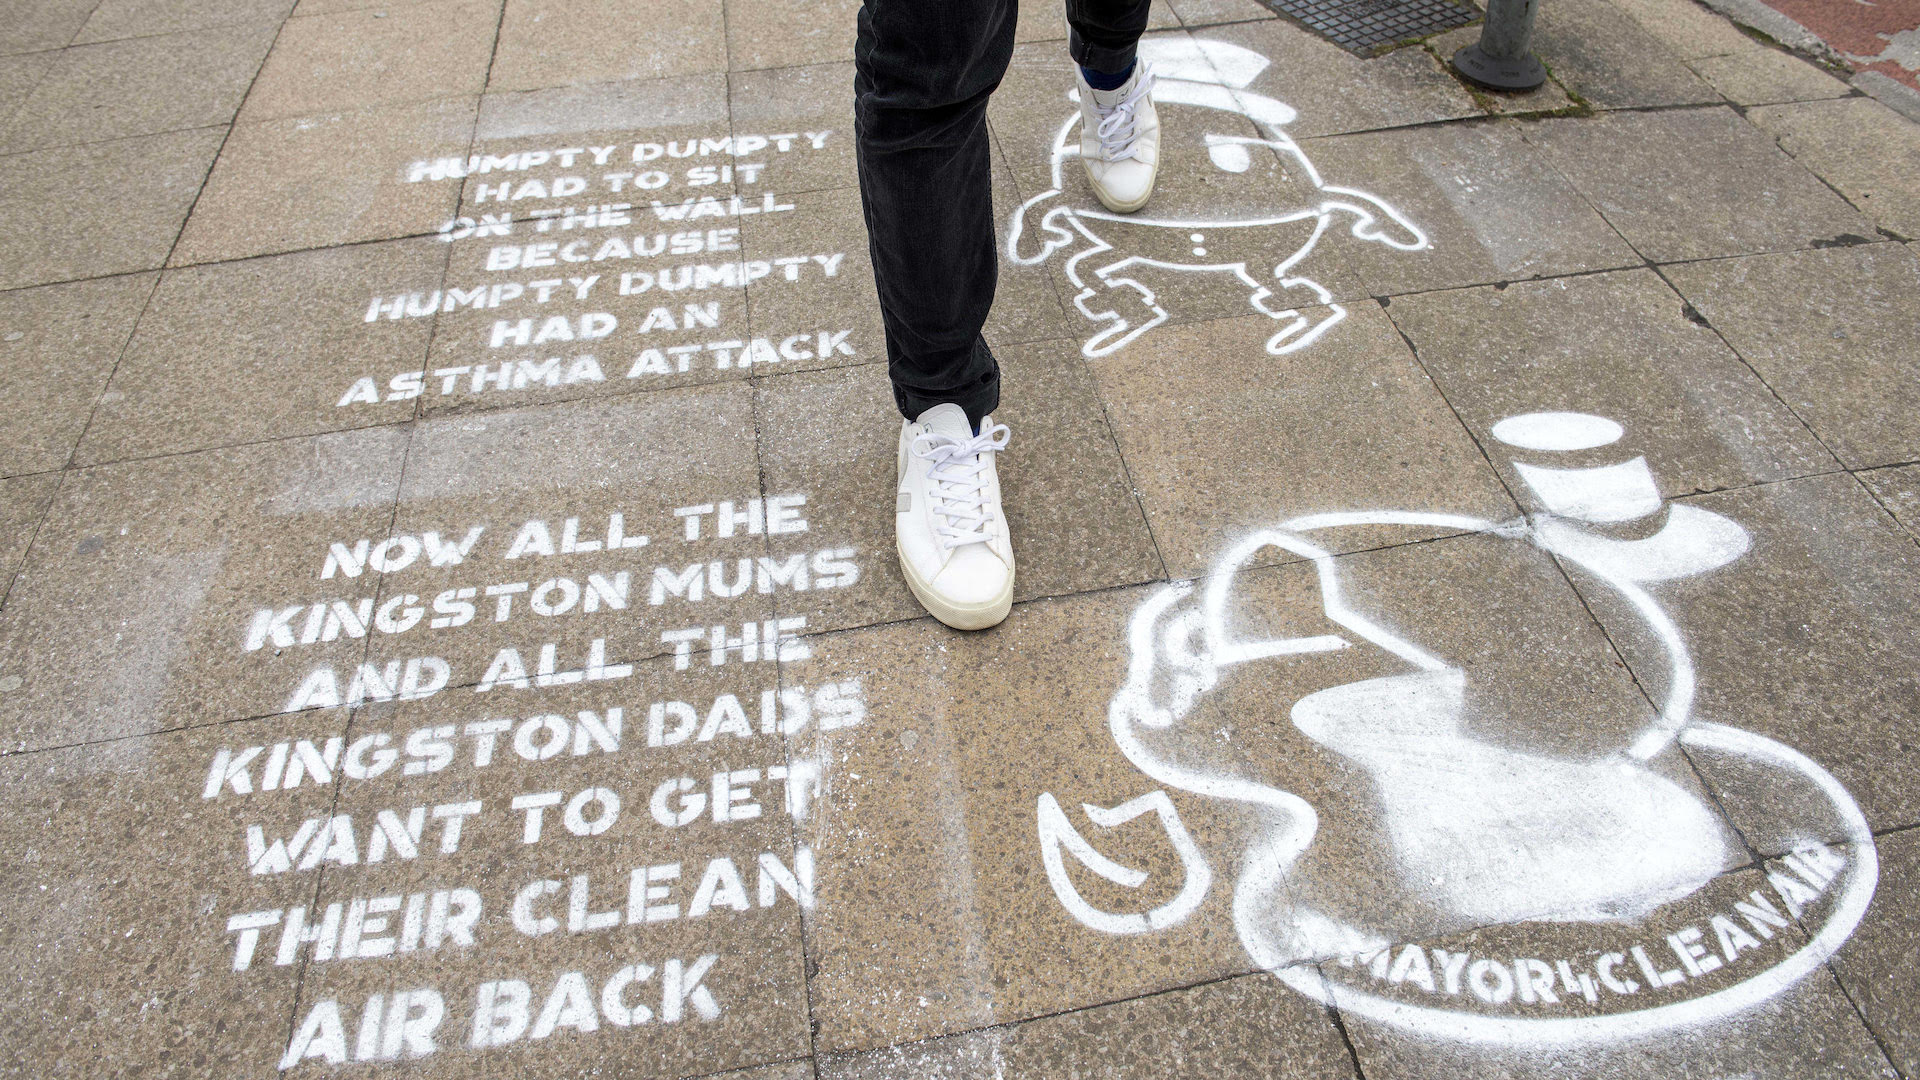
(978, 396)
(1111, 59)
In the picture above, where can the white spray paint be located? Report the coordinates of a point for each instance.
(1205, 75)
(1485, 833)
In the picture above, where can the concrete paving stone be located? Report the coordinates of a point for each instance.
(1696, 413)
(1336, 91)
(1491, 207)
(105, 208)
(1220, 437)
(1764, 76)
(755, 984)
(817, 98)
(265, 349)
(1026, 303)
(141, 86)
(34, 25)
(519, 475)
(1547, 97)
(23, 502)
(361, 59)
(18, 76)
(568, 42)
(1695, 184)
(1899, 491)
(1868, 152)
(134, 610)
(1607, 59)
(1831, 332)
(1075, 524)
(115, 19)
(1197, 13)
(936, 916)
(1876, 966)
(1246, 1027)
(1806, 1028)
(1805, 640)
(832, 291)
(59, 344)
(119, 881)
(789, 1070)
(762, 35)
(1688, 29)
(316, 181)
(1046, 20)
(330, 7)
(615, 145)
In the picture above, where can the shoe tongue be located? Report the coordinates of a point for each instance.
(949, 420)
(1107, 99)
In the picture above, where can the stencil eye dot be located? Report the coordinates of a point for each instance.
(1231, 157)
(1557, 431)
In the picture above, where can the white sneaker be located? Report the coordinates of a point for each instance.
(1120, 140)
(947, 523)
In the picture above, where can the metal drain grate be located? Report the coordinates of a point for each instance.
(1362, 26)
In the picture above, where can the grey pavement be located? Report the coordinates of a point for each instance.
(450, 626)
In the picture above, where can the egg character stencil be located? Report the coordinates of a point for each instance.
(1478, 829)
(1249, 213)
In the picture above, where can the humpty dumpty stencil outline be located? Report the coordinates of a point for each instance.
(1584, 842)
(1203, 74)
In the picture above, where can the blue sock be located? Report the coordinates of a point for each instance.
(1102, 80)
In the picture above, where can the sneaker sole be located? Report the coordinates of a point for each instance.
(959, 616)
(1120, 207)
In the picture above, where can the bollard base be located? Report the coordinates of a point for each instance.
(1523, 72)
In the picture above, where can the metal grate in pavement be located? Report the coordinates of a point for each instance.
(1361, 26)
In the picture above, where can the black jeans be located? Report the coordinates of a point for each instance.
(923, 70)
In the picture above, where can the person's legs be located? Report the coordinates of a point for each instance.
(923, 72)
(1102, 34)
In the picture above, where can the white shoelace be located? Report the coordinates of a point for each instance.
(958, 496)
(1118, 130)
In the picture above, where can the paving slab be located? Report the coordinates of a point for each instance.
(710, 944)
(1868, 152)
(1337, 92)
(59, 344)
(135, 609)
(1874, 967)
(1617, 345)
(360, 59)
(43, 24)
(780, 35)
(1221, 437)
(817, 98)
(266, 349)
(1245, 1027)
(1830, 331)
(115, 19)
(1197, 13)
(23, 502)
(567, 43)
(1490, 207)
(1803, 640)
(1765, 76)
(105, 208)
(1075, 524)
(338, 178)
(141, 86)
(120, 880)
(1695, 184)
(1610, 61)
(18, 76)
(1806, 1027)
(1899, 491)
(1688, 29)
(519, 475)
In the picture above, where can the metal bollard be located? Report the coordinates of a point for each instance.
(1500, 58)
